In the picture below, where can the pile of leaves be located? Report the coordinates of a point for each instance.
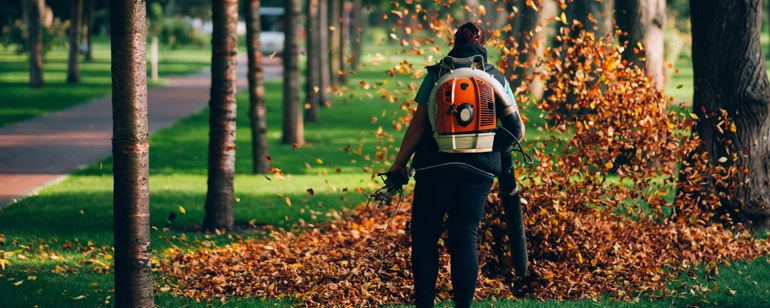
(600, 215)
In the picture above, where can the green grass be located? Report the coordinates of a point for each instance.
(20, 102)
(79, 209)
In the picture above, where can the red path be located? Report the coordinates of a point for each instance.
(44, 150)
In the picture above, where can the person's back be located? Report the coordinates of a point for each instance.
(458, 154)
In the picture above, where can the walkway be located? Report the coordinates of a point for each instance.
(42, 151)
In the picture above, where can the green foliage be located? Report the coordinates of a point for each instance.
(175, 33)
(376, 35)
(18, 35)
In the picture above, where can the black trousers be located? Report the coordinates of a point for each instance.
(461, 192)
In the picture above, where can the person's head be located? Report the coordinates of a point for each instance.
(469, 33)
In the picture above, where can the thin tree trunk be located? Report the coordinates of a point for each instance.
(131, 155)
(224, 43)
(76, 12)
(324, 98)
(25, 12)
(313, 69)
(730, 75)
(257, 108)
(344, 31)
(292, 115)
(334, 41)
(88, 23)
(355, 43)
(643, 22)
(35, 9)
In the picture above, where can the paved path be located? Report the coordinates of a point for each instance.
(44, 150)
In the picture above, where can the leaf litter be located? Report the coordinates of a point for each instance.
(599, 220)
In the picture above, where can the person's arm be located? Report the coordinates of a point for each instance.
(412, 138)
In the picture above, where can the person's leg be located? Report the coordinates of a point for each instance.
(465, 212)
(431, 197)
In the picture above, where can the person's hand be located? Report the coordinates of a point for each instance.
(399, 171)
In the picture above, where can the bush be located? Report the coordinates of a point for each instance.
(17, 34)
(176, 33)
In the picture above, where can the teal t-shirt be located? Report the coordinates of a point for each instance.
(423, 94)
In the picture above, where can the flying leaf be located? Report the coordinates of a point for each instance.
(722, 159)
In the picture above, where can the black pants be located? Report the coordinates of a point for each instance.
(462, 192)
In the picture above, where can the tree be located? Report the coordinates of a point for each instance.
(731, 85)
(344, 32)
(523, 24)
(88, 31)
(312, 72)
(76, 12)
(257, 108)
(35, 9)
(324, 82)
(292, 117)
(131, 155)
(355, 42)
(334, 41)
(643, 23)
(224, 43)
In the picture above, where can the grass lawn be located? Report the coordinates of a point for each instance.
(77, 213)
(19, 102)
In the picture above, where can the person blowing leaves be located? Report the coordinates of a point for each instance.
(458, 150)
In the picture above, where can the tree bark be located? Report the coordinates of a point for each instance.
(344, 31)
(730, 75)
(292, 116)
(131, 155)
(35, 9)
(76, 12)
(88, 23)
(524, 24)
(643, 22)
(334, 41)
(607, 18)
(355, 42)
(324, 83)
(547, 10)
(312, 72)
(224, 43)
(257, 108)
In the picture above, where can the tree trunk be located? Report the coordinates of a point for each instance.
(324, 83)
(224, 43)
(547, 10)
(88, 23)
(25, 12)
(643, 22)
(35, 9)
(313, 69)
(607, 18)
(730, 75)
(334, 41)
(131, 156)
(344, 31)
(257, 108)
(523, 24)
(292, 115)
(355, 42)
(76, 12)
